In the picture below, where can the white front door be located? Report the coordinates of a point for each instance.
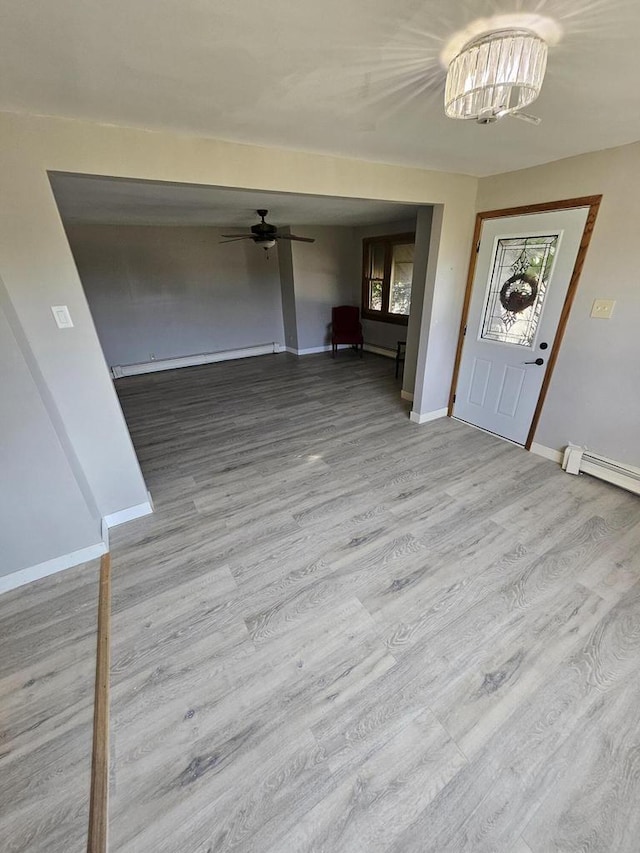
(522, 273)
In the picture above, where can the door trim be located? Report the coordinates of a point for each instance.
(590, 201)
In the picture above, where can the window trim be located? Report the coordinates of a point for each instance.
(389, 241)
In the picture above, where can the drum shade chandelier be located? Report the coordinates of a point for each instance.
(496, 74)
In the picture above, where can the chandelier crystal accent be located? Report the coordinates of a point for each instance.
(496, 74)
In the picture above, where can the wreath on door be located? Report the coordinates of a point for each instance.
(518, 293)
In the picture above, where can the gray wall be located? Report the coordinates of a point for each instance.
(162, 292)
(43, 511)
(325, 274)
(424, 220)
(594, 396)
(287, 290)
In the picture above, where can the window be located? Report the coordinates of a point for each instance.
(387, 269)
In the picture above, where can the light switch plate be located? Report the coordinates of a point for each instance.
(62, 317)
(602, 308)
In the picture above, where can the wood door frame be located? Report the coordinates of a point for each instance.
(590, 201)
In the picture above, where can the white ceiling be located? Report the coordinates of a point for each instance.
(357, 78)
(84, 199)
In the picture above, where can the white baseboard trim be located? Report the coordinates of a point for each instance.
(128, 514)
(120, 370)
(314, 350)
(406, 395)
(75, 558)
(425, 417)
(388, 353)
(50, 567)
(547, 452)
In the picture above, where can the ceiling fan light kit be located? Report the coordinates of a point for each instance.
(497, 72)
(264, 234)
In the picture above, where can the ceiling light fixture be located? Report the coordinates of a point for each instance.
(496, 66)
(266, 244)
(495, 75)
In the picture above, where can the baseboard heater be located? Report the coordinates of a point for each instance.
(121, 370)
(579, 460)
(386, 351)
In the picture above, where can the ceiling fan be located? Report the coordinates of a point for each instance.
(265, 235)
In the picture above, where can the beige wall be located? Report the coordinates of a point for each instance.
(594, 397)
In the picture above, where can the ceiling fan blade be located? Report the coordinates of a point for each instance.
(235, 239)
(299, 239)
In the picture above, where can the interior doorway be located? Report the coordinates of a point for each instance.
(168, 289)
(522, 279)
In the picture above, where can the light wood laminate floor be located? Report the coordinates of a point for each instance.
(345, 632)
(47, 666)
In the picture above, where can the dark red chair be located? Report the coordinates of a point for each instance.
(346, 328)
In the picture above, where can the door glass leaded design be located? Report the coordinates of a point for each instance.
(518, 284)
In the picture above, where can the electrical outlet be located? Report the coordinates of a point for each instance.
(602, 308)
